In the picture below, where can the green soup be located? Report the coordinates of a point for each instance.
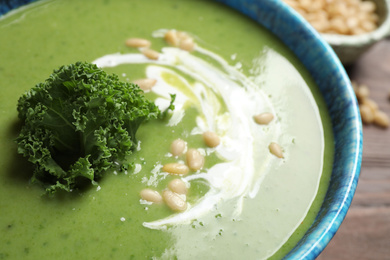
(244, 204)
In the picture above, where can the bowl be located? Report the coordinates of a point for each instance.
(349, 48)
(6, 6)
(329, 74)
(327, 70)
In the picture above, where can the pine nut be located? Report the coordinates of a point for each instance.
(175, 168)
(381, 119)
(357, 31)
(174, 201)
(366, 114)
(211, 139)
(305, 4)
(195, 160)
(320, 25)
(180, 39)
(182, 35)
(187, 44)
(137, 43)
(276, 150)
(178, 147)
(301, 11)
(368, 25)
(367, 6)
(178, 186)
(362, 92)
(151, 195)
(371, 104)
(352, 22)
(338, 25)
(145, 84)
(171, 38)
(150, 54)
(264, 118)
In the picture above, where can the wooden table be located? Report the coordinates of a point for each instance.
(365, 232)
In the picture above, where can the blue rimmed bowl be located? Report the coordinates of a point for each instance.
(330, 76)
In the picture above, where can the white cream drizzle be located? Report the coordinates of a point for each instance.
(244, 145)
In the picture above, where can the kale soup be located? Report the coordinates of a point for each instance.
(238, 169)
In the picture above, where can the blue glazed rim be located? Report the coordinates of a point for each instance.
(330, 76)
(8, 5)
(333, 81)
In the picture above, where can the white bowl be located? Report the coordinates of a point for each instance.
(349, 47)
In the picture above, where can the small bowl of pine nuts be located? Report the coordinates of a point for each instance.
(350, 26)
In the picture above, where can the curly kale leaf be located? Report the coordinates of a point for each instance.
(79, 123)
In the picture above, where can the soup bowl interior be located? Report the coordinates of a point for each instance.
(330, 76)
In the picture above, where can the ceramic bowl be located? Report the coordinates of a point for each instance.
(330, 76)
(6, 6)
(349, 48)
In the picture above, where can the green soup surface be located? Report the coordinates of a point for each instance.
(254, 207)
